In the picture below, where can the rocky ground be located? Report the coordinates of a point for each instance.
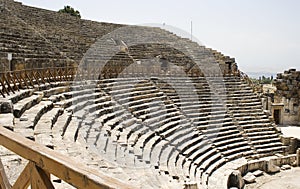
(287, 179)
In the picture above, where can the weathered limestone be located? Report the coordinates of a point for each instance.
(258, 173)
(7, 120)
(285, 167)
(150, 130)
(285, 108)
(249, 178)
(146, 128)
(6, 106)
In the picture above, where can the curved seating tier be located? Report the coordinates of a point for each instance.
(159, 114)
(173, 130)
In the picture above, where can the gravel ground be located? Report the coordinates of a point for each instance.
(289, 179)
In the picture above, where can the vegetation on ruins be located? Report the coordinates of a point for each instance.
(71, 11)
(263, 80)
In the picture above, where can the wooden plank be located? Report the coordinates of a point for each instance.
(18, 80)
(33, 74)
(24, 80)
(41, 75)
(16, 87)
(24, 178)
(1, 91)
(39, 179)
(4, 183)
(63, 167)
(8, 83)
(29, 79)
(4, 89)
(3, 95)
(49, 76)
(59, 74)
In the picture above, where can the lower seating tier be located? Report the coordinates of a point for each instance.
(137, 124)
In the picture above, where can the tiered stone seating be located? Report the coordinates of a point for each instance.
(35, 35)
(152, 123)
(262, 135)
(209, 116)
(24, 43)
(160, 120)
(155, 129)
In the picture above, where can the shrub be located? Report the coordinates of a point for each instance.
(71, 11)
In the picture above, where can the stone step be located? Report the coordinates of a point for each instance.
(21, 106)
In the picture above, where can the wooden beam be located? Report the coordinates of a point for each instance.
(29, 79)
(13, 78)
(4, 89)
(39, 72)
(4, 183)
(8, 83)
(63, 167)
(39, 178)
(24, 178)
(22, 75)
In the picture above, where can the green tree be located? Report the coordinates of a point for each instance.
(71, 11)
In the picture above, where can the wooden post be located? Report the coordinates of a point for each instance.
(33, 74)
(13, 78)
(8, 83)
(63, 167)
(3, 86)
(24, 81)
(4, 183)
(23, 180)
(39, 179)
(29, 79)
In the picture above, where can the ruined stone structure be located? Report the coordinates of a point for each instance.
(145, 106)
(283, 102)
(286, 108)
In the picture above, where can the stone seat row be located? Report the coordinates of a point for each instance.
(94, 114)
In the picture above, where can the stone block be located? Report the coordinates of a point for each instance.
(249, 178)
(6, 106)
(271, 167)
(258, 173)
(285, 167)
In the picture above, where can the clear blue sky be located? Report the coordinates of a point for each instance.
(263, 35)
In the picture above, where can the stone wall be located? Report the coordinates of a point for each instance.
(286, 98)
(288, 84)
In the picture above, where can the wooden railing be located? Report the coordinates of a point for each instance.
(44, 162)
(12, 81)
